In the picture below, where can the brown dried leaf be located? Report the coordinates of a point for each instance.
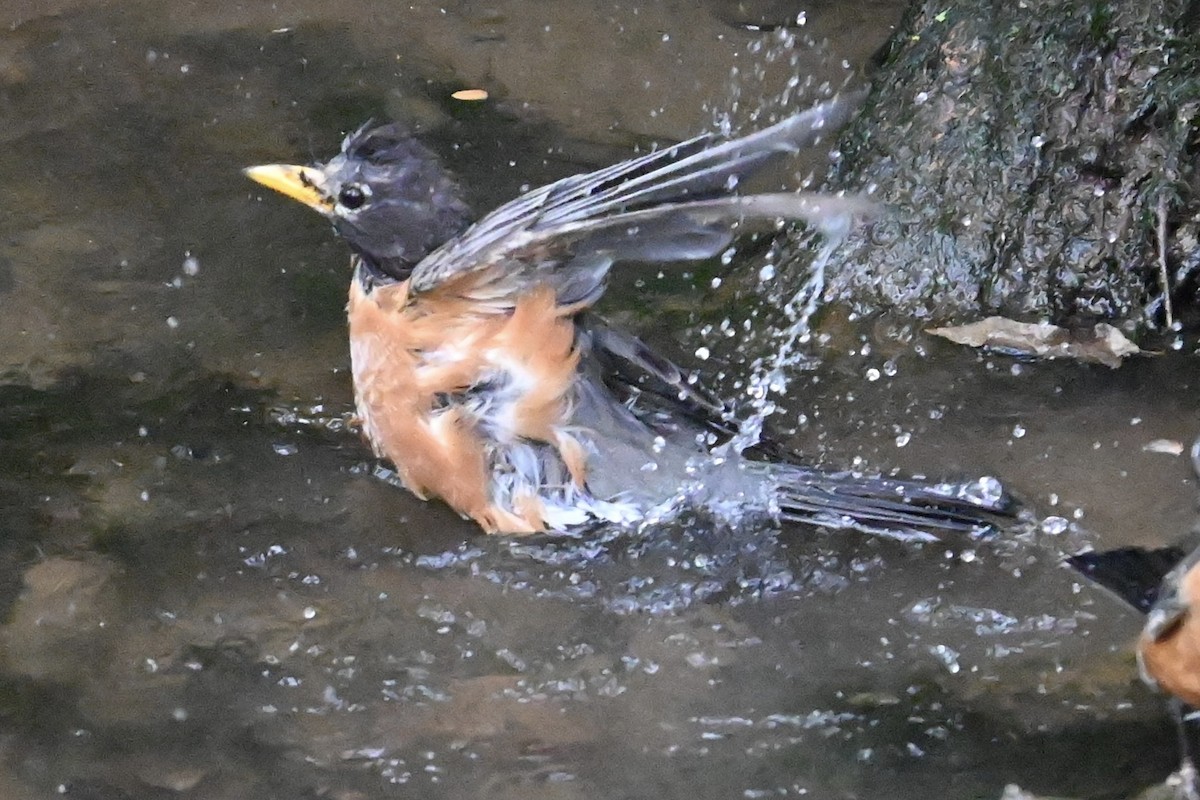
(1102, 344)
(1171, 447)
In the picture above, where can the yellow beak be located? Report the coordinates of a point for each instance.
(299, 183)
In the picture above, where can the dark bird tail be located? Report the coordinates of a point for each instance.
(657, 398)
(908, 509)
(1134, 574)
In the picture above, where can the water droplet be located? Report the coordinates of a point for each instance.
(512, 659)
(985, 491)
(1018, 431)
(873, 375)
(1055, 525)
(948, 656)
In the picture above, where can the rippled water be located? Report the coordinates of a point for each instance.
(209, 591)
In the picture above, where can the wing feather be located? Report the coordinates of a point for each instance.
(676, 204)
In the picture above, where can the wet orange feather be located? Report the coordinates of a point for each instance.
(411, 353)
(1173, 659)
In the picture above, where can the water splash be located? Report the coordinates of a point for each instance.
(318, 416)
(747, 102)
(771, 375)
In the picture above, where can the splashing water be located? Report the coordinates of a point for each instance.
(770, 374)
(790, 42)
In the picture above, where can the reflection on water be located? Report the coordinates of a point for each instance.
(207, 592)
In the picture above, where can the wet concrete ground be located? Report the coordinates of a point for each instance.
(208, 594)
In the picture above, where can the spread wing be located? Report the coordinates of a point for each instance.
(635, 375)
(676, 204)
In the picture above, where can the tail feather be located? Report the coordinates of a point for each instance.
(1134, 574)
(904, 508)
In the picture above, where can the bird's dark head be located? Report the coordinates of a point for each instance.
(385, 193)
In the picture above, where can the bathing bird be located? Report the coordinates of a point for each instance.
(484, 374)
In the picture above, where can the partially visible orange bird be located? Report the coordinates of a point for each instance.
(482, 374)
(1164, 584)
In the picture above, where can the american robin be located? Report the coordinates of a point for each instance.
(482, 374)
(1164, 584)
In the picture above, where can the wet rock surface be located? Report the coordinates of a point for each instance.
(1032, 154)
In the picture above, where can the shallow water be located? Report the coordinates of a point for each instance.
(207, 592)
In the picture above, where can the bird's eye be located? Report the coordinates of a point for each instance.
(352, 196)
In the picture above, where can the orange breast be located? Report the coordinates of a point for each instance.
(1173, 659)
(413, 359)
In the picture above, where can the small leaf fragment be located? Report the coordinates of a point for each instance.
(1169, 446)
(1101, 344)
